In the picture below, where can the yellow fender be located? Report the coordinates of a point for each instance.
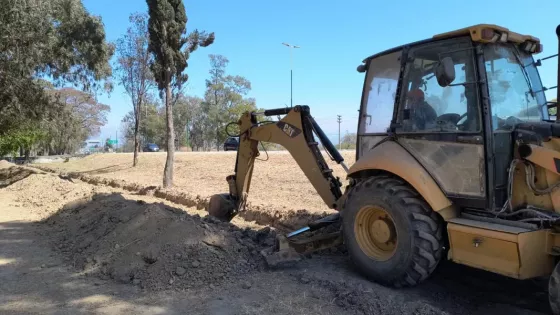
(391, 157)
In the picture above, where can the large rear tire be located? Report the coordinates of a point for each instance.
(392, 235)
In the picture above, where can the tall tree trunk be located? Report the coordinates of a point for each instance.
(136, 138)
(27, 154)
(168, 171)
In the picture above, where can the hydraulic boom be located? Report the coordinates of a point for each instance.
(295, 132)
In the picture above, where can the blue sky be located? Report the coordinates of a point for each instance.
(335, 36)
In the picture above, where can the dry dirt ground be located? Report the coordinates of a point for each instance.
(72, 243)
(277, 182)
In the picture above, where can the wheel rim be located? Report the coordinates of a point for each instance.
(375, 233)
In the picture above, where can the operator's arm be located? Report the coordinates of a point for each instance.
(295, 133)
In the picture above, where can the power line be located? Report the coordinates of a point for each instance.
(339, 120)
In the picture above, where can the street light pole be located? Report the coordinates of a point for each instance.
(291, 71)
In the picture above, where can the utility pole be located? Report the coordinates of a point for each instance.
(291, 71)
(339, 120)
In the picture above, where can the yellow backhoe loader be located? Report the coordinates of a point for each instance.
(457, 156)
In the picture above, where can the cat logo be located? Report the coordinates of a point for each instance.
(289, 130)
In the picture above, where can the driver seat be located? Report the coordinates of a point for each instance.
(417, 99)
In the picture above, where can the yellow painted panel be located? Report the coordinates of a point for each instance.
(489, 233)
(535, 261)
(483, 252)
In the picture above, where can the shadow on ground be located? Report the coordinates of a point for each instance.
(35, 280)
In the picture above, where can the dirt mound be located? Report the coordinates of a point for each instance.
(12, 174)
(154, 245)
(43, 194)
(5, 164)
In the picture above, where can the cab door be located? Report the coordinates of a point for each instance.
(441, 126)
(378, 100)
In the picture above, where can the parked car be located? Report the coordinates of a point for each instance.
(231, 144)
(151, 147)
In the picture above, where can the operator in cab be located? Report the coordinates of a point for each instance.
(422, 115)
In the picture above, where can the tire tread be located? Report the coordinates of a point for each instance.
(427, 227)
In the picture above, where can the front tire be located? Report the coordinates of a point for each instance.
(392, 235)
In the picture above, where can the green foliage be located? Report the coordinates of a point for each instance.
(185, 110)
(55, 39)
(348, 141)
(152, 124)
(167, 28)
(224, 102)
(199, 123)
(23, 138)
(79, 116)
(133, 69)
(133, 61)
(109, 144)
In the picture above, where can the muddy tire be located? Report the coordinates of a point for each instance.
(554, 290)
(392, 235)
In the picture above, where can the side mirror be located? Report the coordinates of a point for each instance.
(361, 68)
(445, 71)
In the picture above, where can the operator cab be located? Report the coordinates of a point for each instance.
(456, 102)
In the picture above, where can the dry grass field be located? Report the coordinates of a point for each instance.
(278, 182)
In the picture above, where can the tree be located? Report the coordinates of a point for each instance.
(224, 100)
(152, 126)
(54, 39)
(348, 141)
(108, 144)
(24, 138)
(167, 26)
(185, 110)
(134, 69)
(80, 116)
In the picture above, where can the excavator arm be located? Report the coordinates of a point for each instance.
(295, 132)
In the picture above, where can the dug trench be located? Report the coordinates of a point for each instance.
(282, 219)
(182, 261)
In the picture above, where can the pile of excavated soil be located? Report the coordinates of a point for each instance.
(5, 164)
(155, 246)
(42, 194)
(10, 174)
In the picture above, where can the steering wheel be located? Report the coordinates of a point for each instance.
(461, 118)
(452, 121)
(451, 117)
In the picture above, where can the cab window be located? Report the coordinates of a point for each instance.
(379, 93)
(515, 89)
(427, 107)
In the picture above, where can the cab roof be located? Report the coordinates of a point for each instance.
(475, 31)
